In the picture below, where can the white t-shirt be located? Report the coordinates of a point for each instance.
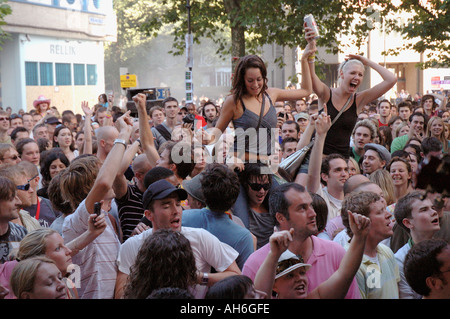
(208, 252)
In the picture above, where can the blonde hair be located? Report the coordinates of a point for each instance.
(383, 178)
(24, 274)
(399, 127)
(344, 65)
(5, 147)
(34, 243)
(441, 137)
(77, 180)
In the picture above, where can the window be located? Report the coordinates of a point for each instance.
(63, 74)
(31, 73)
(79, 74)
(46, 73)
(92, 74)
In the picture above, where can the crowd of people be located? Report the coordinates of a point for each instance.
(187, 201)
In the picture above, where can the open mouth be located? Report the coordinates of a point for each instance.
(435, 221)
(354, 84)
(175, 222)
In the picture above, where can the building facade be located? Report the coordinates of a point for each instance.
(55, 49)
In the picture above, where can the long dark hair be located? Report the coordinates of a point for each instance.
(238, 86)
(165, 259)
(50, 156)
(58, 129)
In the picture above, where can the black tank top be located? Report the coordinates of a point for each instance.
(338, 137)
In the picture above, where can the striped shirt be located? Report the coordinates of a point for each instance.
(94, 267)
(130, 210)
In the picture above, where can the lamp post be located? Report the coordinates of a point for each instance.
(189, 86)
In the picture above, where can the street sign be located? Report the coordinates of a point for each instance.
(128, 81)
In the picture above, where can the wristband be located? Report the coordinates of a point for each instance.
(205, 279)
(120, 141)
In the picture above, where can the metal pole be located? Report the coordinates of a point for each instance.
(189, 83)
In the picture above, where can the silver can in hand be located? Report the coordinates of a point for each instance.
(310, 22)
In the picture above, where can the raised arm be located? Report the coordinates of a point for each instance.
(96, 226)
(87, 143)
(265, 277)
(145, 133)
(318, 87)
(111, 165)
(336, 287)
(369, 95)
(322, 125)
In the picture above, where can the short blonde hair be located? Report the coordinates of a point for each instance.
(34, 243)
(345, 64)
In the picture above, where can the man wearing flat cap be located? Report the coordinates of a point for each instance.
(162, 204)
(376, 156)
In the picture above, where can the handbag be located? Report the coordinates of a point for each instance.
(289, 167)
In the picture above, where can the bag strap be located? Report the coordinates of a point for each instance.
(343, 109)
(164, 132)
(262, 111)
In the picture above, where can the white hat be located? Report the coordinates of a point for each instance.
(288, 262)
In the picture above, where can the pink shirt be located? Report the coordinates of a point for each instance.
(325, 260)
(5, 273)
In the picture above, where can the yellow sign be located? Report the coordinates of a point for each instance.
(128, 81)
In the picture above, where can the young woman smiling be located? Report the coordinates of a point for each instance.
(401, 174)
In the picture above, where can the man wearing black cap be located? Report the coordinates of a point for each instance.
(162, 204)
(51, 123)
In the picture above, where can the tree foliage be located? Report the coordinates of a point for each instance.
(5, 10)
(253, 23)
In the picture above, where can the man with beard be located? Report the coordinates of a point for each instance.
(210, 114)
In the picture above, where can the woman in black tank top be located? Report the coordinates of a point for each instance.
(351, 74)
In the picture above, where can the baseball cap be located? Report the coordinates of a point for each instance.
(288, 262)
(380, 149)
(161, 189)
(52, 120)
(301, 115)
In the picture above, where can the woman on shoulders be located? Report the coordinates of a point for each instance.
(351, 75)
(251, 98)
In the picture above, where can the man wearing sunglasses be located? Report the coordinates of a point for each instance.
(24, 192)
(8, 154)
(4, 127)
(10, 233)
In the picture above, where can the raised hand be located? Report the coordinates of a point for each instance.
(86, 109)
(359, 224)
(280, 240)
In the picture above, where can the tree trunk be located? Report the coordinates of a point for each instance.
(232, 8)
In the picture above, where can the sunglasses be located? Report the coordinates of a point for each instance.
(258, 186)
(15, 157)
(23, 187)
(4, 118)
